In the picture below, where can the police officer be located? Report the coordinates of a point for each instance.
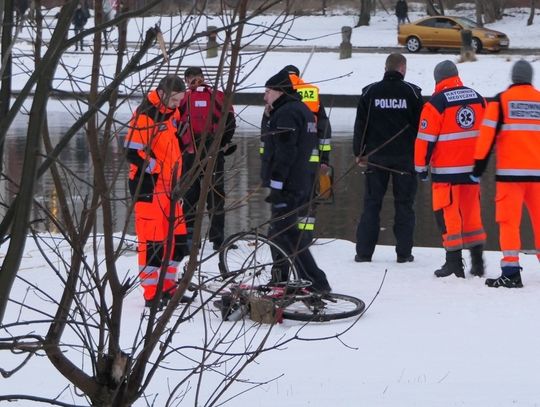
(384, 133)
(288, 168)
(445, 143)
(512, 123)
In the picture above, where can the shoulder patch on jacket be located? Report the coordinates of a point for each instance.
(457, 95)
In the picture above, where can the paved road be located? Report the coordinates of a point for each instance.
(360, 50)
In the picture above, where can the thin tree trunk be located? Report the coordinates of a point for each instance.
(5, 66)
(365, 11)
(12, 260)
(479, 12)
(492, 10)
(441, 7)
(531, 15)
(430, 8)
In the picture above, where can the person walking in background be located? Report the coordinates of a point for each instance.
(384, 133)
(80, 17)
(402, 10)
(202, 109)
(288, 169)
(155, 166)
(512, 124)
(445, 142)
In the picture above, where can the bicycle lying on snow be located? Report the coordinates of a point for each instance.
(257, 277)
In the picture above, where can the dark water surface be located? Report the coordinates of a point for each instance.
(335, 220)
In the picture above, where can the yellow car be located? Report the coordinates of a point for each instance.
(445, 32)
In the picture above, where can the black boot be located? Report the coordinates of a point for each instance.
(452, 265)
(510, 278)
(477, 261)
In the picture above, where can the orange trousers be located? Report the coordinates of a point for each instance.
(152, 228)
(509, 200)
(457, 211)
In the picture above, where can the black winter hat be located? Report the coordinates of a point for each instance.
(281, 82)
(292, 69)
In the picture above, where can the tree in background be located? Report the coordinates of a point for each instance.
(492, 10)
(366, 6)
(434, 9)
(78, 326)
(531, 14)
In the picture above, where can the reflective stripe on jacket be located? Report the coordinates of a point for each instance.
(311, 98)
(512, 121)
(151, 143)
(448, 131)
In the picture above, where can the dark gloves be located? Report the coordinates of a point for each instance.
(480, 167)
(278, 198)
(423, 176)
(229, 149)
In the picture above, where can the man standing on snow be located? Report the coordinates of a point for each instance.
(288, 168)
(401, 12)
(512, 122)
(155, 167)
(80, 17)
(202, 108)
(445, 143)
(384, 133)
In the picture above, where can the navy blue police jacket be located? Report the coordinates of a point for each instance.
(384, 109)
(290, 146)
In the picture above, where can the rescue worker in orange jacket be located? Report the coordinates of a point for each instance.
(445, 142)
(512, 123)
(201, 109)
(153, 152)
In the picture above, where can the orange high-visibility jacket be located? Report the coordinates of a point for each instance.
(311, 98)
(153, 147)
(512, 121)
(447, 132)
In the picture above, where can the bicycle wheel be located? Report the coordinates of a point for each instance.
(323, 307)
(252, 258)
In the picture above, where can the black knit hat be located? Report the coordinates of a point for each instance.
(292, 69)
(281, 82)
(172, 83)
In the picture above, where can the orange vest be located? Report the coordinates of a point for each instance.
(156, 143)
(512, 120)
(309, 92)
(447, 132)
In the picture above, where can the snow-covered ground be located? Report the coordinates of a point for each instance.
(423, 342)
